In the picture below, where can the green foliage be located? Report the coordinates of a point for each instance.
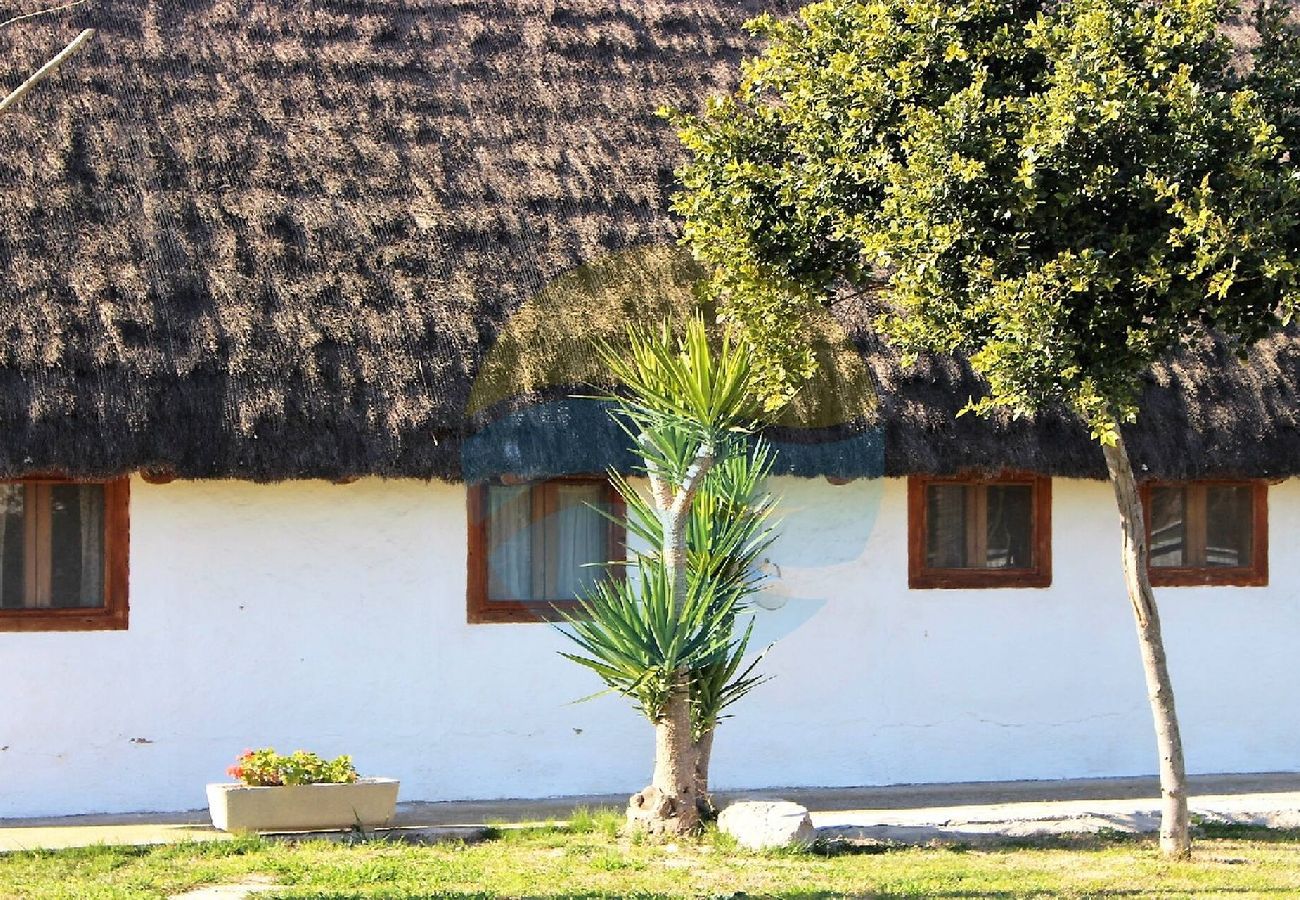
(633, 631)
(720, 682)
(605, 822)
(680, 395)
(1062, 191)
(636, 638)
(730, 528)
(1234, 861)
(266, 768)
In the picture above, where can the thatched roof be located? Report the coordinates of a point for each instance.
(275, 239)
(1204, 414)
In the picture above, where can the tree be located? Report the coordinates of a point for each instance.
(1062, 191)
(664, 635)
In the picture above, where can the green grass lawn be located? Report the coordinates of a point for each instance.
(591, 861)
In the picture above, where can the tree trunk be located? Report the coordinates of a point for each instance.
(703, 755)
(668, 806)
(1175, 840)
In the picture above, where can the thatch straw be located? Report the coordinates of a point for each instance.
(274, 239)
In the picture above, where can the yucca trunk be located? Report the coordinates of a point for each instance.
(1175, 839)
(703, 756)
(668, 805)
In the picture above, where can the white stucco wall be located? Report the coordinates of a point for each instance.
(333, 618)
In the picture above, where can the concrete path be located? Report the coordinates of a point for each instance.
(244, 890)
(992, 822)
(906, 813)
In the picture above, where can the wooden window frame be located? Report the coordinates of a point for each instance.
(479, 609)
(1253, 575)
(922, 577)
(114, 614)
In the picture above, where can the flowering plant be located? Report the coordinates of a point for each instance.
(266, 768)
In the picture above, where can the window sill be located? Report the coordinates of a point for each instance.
(63, 620)
(517, 613)
(1165, 576)
(965, 579)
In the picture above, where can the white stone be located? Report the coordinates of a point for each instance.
(767, 824)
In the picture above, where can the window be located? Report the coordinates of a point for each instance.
(979, 532)
(63, 555)
(1207, 532)
(536, 545)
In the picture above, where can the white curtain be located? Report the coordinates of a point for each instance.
(580, 539)
(510, 514)
(91, 501)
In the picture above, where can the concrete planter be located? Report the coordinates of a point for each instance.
(367, 802)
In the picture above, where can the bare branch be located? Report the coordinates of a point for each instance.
(43, 12)
(47, 69)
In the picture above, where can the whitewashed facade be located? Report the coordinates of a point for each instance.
(333, 617)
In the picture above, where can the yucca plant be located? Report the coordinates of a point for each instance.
(665, 635)
(729, 530)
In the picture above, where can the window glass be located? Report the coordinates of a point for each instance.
(580, 539)
(979, 526)
(12, 546)
(1229, 524)
(510, 513)
(1168, 526)
(545, 541)
(51, 546)
(1010, 526)
(945, 517)
(76, 545)
(1202, 526)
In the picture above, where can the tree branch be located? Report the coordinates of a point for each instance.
(658, 487)
(43, 12)
(691, 480)
(44, 71)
